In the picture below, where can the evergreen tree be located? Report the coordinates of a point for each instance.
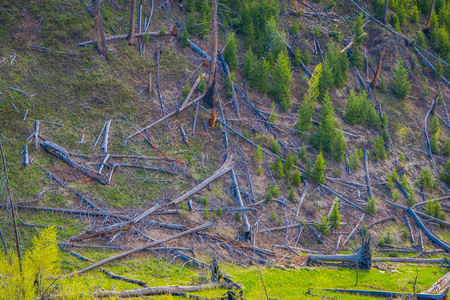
(352, 111)
(318, 173)
(295, 28)
(263, 71)
(289, 163)
(280, 169)
(324, 136)
(358, 31)
(275, 147)
(400, 84)
(434, 209)
(355, 158)
(371, 206)
(335, 216)
(230, 52)
(435, 127)
(258, 157)
(248, 70)
(327, 107)
(378, 149)
(339, 145)
(426, 180)
(445, 174)
(291, 194)
(323, 226)
(307, 107)
(306, 58)
(298, 57)
(308, 173)
(420, 40)
(250, 35)
(281, 79)
(326, 80)
(296, 178)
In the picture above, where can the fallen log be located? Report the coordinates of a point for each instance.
(353, 231)
(419, 213)
(166, 117)
(62, 153)
(381, 221)
(391, 295)
(441, 285)
(366, 167)
(163, 290)
(433, 106)
(410, 260)
(152, 244)
(120, 36)
(105, 137)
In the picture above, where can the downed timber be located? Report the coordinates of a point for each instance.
(62, 153)
(419, 213)
(391, 295)
(98, 137)
(247, 226)
(189, 95)
(183, 134)
(226, 167)
(299, 249)
(366, 167)
(342, 198)
(158, 169)
(432, 108)
(152, 244)
(381, 221)
(166, 116)
(441, 285)
(105, 137)
(68, 211)
(163, 290)
(26, 160)
(410, 260)
(120, 36)
(36, 134)
(362, 257)
(353, 231)
(408, 224)
(305, 191)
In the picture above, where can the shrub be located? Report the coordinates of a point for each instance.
(295, 28)
(400, 84)
(258, 157)
(275, 191)
(371, 206)
(355, 158)
(275, 147)
(187, 89)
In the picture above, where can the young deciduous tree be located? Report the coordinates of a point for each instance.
(400, 84)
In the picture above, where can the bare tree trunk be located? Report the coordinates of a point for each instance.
(386, 4)
(380, 64)
(208, 100)
(102, 49)
(430, 14)
(130, 37)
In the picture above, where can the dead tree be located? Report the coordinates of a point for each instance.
(386, 4)
(130, 37)
(430, 14)
(361, 258)
(102, 48)
(374, 82)
(208, 100)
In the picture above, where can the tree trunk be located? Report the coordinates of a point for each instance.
(430, 14)
(208, 100)
(130, 37)
(102, 49)
(386, 4)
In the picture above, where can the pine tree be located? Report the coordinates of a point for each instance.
(249, 67)
(230, 52)
(289, 163)
(295, 28)
(420, 40)
(327, 107)
(318, 173)
(400, 84)
(308, 172)
(307, 107)
(296, 178)
(324, 136)
(355, 158)
(445, 174)
(280, 169)
(323, 226)
(339, 145)
(281, 81)
(263, 74)
(291, 194)
(378, 149)
(435, 127)
(371, 206)
(326, 80)
(306, 58)
(352, 112)
(358, 31)
(258, 157)
(275, 147)
(298, 57)
(335, 216)
(426, 180)
(434, 209)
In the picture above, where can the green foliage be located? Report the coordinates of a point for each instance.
(227, 87)
(378, 149)
(446, 148)
(291, 194)
(295, 28)
(230, 52)
(275, 147)
(358, 30)
(445, 174)
(204, 200)
(435, 129)
(219, 211)
(318, 173)
(339, 145)
(395, 196)
(410, 200)
(308, 172)
(259, 171)
(434, 209)
(259, 155)
(269, 196)
(298, 57)
(237, 217)
(275, 219)
(206, 214)
(302, 153)
(359, 111)
(162, 29)
(382, 85)
(381, 242)
(281, 81)
(40, 267)
(246, 134)
(256, 71)
(400, 84)
(439, 70)
(323, 227)
(404, 183)
(355, 159)
(306, 58)
(289, 163)
(275, 191)
(371, 206)
(184, 38)
(323, 137)
(335, 216)
(202, 85)
(187, 89)
(356, 57)
(280, 169)
(307, 107)
(273, 117)
(434, 144)
(426, 180)
(296, 178)
(146, 37)
(391, 179)
(420, 40)
(335, 69)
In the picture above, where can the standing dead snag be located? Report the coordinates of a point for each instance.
(208, 100)
(130, 37)
(102, 48)
(430, 14)
(386, 4)
(374, 82)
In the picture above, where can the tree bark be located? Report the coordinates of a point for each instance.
(130, 37)
(380, 64)
(430, 14)
(208, 100)
(102, 48)
(386, 4)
